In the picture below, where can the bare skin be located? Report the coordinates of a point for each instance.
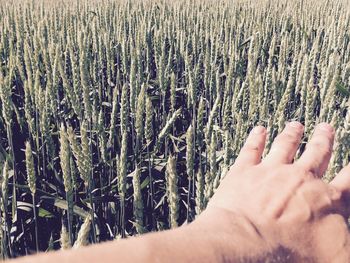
(270, 210)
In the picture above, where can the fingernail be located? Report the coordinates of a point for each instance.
(296, 125)
(325, 127)
(259, 130)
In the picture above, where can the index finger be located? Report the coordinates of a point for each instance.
(252, 150)
(318, 151)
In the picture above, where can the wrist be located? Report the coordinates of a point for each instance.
(232, 236)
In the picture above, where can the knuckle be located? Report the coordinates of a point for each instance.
(251, 147)
(321, 146)
(304, 174)
(334, 192)
(278, 173)
(290, 138)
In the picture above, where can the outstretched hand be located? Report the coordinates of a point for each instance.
(279, 205)
(271, 210)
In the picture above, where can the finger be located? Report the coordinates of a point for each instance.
(253, 149)
(342, 180)
(286, 144)
(318, 151)
(317, 195)
(342, 183)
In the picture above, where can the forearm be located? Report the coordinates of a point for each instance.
(182, 244)
(196, 242)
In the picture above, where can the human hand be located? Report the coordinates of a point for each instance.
(263, 207)
(270, 210)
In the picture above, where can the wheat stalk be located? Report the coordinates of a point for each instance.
(64, 238)
(138, 203)
(83, 234)
(172, 191)
(31, 178)
(168, 125)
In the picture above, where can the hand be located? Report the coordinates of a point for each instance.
(263, 207)
(274, 210)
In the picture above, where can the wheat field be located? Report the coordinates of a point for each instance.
(121, 117)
